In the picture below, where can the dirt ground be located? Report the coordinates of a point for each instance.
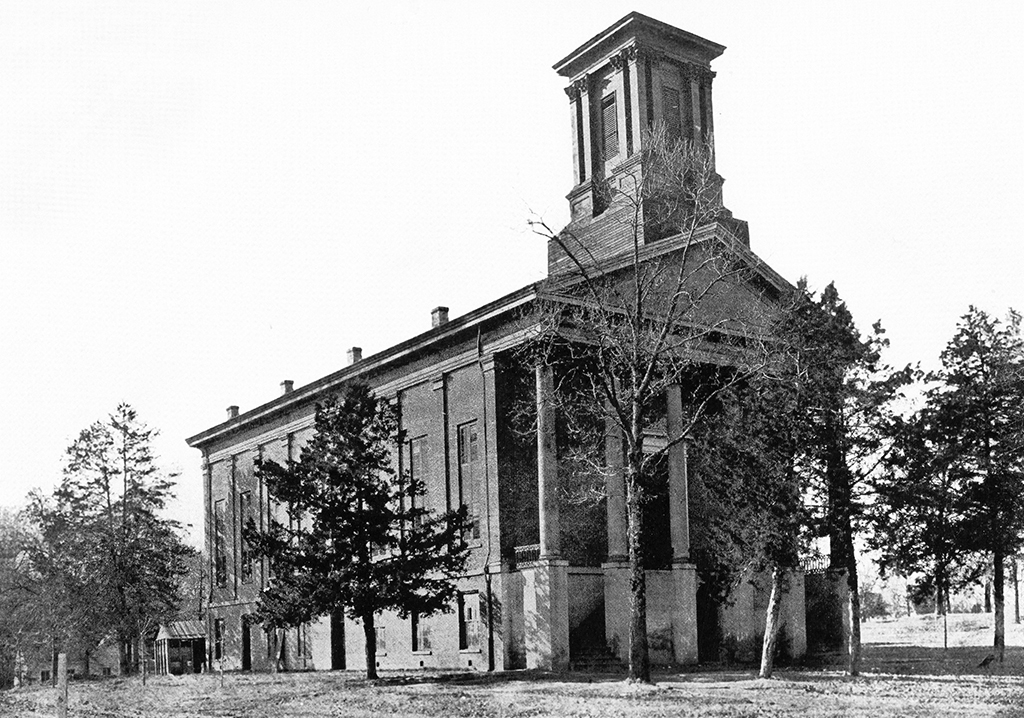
(906, 673)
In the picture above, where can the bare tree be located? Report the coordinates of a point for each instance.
(682, 303)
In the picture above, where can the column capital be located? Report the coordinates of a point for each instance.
(437, 384)
(698, 73)
(578, 88)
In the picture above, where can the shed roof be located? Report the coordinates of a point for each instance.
(181, 629)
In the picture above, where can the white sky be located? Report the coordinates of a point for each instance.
(199, 199)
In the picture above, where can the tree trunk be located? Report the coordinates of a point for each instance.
(988, 596)
(272, 640)
(370, 634)
(998, 599)
(853, 641)
(639, 651)
(771, 626)
(85, 662)
(853, 599)
(54, 653)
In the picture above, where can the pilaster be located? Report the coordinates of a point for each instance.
(616, 607)
(490, 439)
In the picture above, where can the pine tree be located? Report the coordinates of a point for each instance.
(109, 560)
(848, 394)
(982, 401)
(360, 540)
(919, 516)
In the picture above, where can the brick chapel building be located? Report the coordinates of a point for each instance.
(533, 594)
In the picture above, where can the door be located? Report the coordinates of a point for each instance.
(337, 640)
(246, 645)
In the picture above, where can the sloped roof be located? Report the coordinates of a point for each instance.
(181, 630)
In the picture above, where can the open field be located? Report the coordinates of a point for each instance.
(906, 674)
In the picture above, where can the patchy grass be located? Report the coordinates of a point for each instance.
(906, 674)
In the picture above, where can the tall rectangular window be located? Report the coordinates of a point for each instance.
(382, 638)
(245, 514)
(470, 475)
(304, 646)
(609, 127)
(220, 555)
(420, 633)
(671, 109)
(417, 472)
(469, 621)
(218, 638)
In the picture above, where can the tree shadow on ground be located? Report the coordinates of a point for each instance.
(878, 659)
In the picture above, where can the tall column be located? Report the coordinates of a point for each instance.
(547, 466)
(684, 574)
(678, 489)
(546, 582)
(616, 568)
(691, 76)
(579, 155)
(615, 490)
(633, 59)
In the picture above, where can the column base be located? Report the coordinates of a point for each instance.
(616, 606)
(684, 613)
(546, 614)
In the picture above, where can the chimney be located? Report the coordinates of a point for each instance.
(286, 386)
(232, 412)
(355, 354)
(439, 316)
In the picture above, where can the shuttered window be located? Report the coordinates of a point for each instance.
(609, 127)
(245, 515)
(220, 556)
(470, 475)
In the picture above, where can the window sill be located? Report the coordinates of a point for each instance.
(470, 650)
(427, 652)
(381, 653)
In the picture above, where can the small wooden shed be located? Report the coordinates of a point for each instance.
(181, 647)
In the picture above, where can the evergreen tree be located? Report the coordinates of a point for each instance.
(360, 540)
(919, 516)
(109, 560)
(981, 400)
(848, 398)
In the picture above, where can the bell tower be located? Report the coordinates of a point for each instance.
(636, 76)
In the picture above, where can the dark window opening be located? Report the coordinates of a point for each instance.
(469, 621)
(218, 638)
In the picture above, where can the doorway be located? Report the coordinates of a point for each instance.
(337, 640)
(246, 645)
